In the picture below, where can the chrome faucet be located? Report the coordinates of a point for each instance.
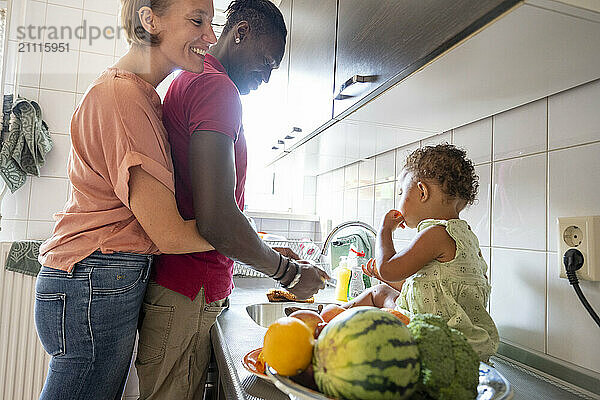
(342, 226)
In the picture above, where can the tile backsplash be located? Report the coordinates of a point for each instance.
(57, 82)
(535, 162)
(289, 228)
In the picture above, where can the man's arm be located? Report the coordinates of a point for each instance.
(218, 218)
(220, 221)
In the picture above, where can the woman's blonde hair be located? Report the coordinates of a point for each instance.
(130, 18)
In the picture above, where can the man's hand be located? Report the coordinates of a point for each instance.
(312, 279)
(286, 251)
(392, 220)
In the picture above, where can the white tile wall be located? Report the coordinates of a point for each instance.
(102, 40)
(478, 214)
(385, 167)
(573, 116)
(59, 71)
(519, 204)
(445, 137)
(59, 16)
(351, 176)
(56, 160)
(289, 228)
(476, 138)
(366, 172)
(486, 252)
(518, 300)
(90, 66)
(269, 225)
(103, 6)
(39, 230)
(366, 199)
(52, 79)
(535, 162)
(16, 205)
(401, 155)
(337, 180)
(521, 131)
(573, 184)
(570, 328)
(13, 230)
(57, 109)
(350, 204)
(384, 200)
(48, 195)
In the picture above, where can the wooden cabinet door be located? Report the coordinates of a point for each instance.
(390, 40)
(312, 57)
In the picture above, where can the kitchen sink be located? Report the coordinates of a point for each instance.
(264, 314)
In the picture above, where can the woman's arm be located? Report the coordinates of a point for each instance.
(432, 243)
(155, 207)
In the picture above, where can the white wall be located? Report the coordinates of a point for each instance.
(535, 162)
(57, 81)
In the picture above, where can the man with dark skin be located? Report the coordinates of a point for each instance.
(202, 114)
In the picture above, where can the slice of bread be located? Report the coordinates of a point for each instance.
(278, 295)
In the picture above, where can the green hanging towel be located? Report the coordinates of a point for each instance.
(361, 240)
(23, 257)
(26, 144)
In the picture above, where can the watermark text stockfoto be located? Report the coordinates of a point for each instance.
(65, 32)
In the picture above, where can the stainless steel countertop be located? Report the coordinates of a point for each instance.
(235, 334)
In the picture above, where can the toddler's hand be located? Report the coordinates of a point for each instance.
(392, 220)
(371, 270)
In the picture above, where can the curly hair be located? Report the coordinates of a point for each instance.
(449, 167)
(263, 16)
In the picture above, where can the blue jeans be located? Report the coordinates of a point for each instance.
(87, 321)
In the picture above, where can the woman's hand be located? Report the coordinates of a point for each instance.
(312, 279)
(392, 220)
(155, 208)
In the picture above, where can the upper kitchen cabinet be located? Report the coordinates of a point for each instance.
(540, 48)
(381, 42)
(312, 59)
(265, 109)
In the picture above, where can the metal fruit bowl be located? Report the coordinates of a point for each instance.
(492, 386)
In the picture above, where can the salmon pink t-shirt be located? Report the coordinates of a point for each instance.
(201, 104)
(117, 125)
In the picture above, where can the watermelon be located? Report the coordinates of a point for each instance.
(366, 353)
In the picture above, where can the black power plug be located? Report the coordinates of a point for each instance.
(573, 260)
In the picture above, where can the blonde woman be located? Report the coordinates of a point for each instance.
(122, 208)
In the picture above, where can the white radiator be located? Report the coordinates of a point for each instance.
(23, 361)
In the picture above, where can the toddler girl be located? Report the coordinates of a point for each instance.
(442, 270)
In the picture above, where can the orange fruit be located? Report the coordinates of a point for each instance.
(398, 314)
(309, 317)
(330, 311)
(288, 346)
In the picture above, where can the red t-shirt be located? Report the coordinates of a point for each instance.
(204, 102)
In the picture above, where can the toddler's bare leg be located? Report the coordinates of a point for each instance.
(380, 296)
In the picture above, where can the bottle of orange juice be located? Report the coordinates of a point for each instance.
(343, 279)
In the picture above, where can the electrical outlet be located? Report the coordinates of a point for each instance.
(583, 234)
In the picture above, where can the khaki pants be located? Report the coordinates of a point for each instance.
(174, 344)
